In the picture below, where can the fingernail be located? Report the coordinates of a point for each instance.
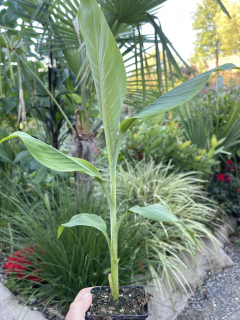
(85, 296)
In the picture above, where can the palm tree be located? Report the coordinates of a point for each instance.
(56, 32)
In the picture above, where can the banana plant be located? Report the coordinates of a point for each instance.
(109, 75)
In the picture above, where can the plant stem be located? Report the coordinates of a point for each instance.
(114, 263)
(113, 277)
(236, 165)
(114, 236)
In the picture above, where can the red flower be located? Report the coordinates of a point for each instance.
(229, 162)
(238, 190)
(227, 178)
(221, 177)
(19, 263)
(34, 278)
(224, 177)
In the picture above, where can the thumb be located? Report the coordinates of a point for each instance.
(79, 307)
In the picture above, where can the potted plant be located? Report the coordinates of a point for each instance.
(110, 81)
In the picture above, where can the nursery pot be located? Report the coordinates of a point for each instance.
(109, 314)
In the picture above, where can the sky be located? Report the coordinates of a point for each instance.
(176, 20)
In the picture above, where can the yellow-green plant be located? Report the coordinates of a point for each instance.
(110, 81)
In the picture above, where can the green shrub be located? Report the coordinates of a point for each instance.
(147, 183)
(225, 189)
(80, 258)
(164, 141)
(214, 114)
(34, 216)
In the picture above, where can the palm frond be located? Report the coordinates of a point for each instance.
(56, 32)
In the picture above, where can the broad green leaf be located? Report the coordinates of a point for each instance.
(175, 97)
(158, 212)
(9, 104)
(52, 158)
(86, 219)
(107, 68)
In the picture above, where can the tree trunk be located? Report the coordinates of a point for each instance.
(217, 53)
(84, 147)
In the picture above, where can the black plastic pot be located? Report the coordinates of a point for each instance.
(119, 317)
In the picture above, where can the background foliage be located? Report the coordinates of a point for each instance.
(46, 90)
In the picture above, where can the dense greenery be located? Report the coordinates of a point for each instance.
(106, 61)
(44, 208)
(184, 161)
(78, 259)
(225, 188)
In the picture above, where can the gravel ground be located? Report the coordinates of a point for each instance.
(220, 298)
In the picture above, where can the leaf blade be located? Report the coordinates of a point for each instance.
(86, 219)
(224, 8)
(107, 67)
(52, 158)
(175, 97)
(158, 212)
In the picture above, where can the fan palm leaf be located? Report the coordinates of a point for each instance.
(148, 73)
(54, 22)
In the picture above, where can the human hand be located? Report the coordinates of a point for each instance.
(80, 305)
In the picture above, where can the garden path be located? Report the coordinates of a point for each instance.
(221, 294)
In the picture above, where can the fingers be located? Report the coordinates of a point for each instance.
(80, 305)
(81, 293)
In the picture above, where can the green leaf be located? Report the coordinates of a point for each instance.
(184, 145)
(107, 67)
(76, 98)
(3, 155)
(52, 158)
(175, 97)
(39, 9)
(41, 175)
(158, 212)
(9, 151)
(86, 219)
(22, 155)
(223, 8)
(3, 133)
(214, 141)
(9, 104)
(211, 153)
(155, 143)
